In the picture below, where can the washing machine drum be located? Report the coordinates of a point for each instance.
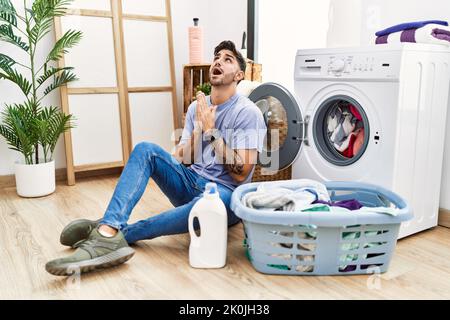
(340, 128)
(284, 125)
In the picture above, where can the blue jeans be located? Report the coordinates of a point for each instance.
(180, 184)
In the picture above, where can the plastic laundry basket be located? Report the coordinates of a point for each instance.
(323, 243)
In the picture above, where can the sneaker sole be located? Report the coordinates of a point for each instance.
(69, 229)
(109, 260)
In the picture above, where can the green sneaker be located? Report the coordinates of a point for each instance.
(96, 252)
(77, 231)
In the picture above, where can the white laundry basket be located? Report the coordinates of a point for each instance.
(323, 243)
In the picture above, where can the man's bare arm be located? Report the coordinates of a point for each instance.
(238, 162)
(185, 153)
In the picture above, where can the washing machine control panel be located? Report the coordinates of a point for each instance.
(360, 65)
(338, 65)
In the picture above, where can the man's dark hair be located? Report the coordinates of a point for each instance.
(229, 45)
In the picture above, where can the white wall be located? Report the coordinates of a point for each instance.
(344, 18)
(221, 20)
(445, 185)
(283, 28)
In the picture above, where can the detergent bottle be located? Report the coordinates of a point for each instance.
(195, 43)
(209, 249)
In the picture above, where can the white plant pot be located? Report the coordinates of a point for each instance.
(35, 180)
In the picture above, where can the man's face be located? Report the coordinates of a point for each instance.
(225, 69)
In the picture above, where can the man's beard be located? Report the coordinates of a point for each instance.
(224, 80)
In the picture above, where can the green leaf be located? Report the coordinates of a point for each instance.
(17, 78)
(68, 40)
(204, 87)
(63, 78)
(11, 139)
(41, 128)
(46, 27)
(31, 13)
(6, 62)
(39, 30)
(51, 123)
(43, 13)
(49, 8)
(50, 72)
(8, 12)
(7, 34)
(60, 123)
(18, 129)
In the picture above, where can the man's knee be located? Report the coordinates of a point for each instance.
(146, 148)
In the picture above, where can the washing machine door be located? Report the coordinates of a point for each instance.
(285, 125)
(341, 130)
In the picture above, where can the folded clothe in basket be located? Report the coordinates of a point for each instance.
(308, 195)
(320, 206)
(429, 34)
(269, 196)
(350, 204)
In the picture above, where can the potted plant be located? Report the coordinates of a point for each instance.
(30, 127)
(205, 88)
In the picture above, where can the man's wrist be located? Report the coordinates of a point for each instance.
(197, 132)
(209, 129)
(211, 135)
(216, 143)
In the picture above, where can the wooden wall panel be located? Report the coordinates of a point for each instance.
(92, 5)
(126, 92)
(93, 58)
(147, 53)
(151, 122)
(149, 8)
(96, 138)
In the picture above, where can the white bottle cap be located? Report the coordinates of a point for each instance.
(211, 190)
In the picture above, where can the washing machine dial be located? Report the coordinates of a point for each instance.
(338, 65)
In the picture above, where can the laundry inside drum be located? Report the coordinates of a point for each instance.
(276, 121)
(345, 129)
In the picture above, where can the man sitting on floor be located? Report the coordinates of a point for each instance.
(221, 139)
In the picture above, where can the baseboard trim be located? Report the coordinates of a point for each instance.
(9, 181)
(444, 217)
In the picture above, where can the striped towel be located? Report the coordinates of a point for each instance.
(429, 34)
(409, 25)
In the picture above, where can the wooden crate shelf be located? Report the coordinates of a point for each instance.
(196, 74)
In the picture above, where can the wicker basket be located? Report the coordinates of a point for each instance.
(278, 122)
(261, 174)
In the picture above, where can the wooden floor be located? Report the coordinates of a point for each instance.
(29, 233)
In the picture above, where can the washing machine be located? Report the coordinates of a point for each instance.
(372, 114)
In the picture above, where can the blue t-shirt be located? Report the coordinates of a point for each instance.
(242, 126)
